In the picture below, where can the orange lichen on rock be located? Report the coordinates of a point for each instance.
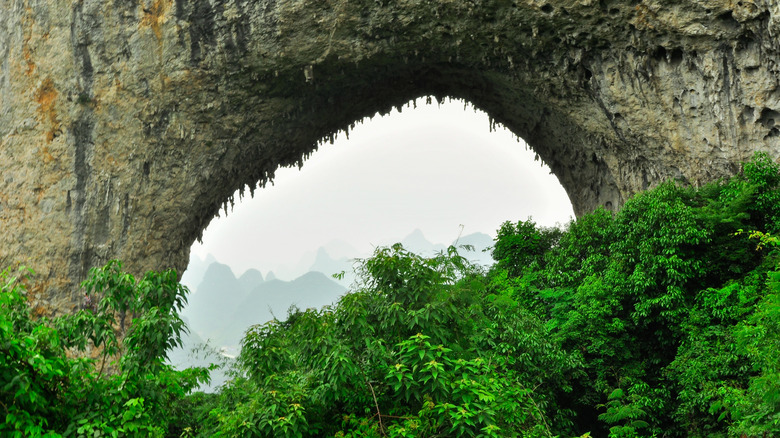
(46, 96)
(47, 156)
(644, 17)
(154, 17)
(40, 311)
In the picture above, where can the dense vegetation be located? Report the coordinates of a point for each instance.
(660, 320)
(72, 376)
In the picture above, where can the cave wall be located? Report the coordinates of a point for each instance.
(126, 125)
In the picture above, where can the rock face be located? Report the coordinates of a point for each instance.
(125, 125)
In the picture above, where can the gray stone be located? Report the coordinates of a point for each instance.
(125, 126)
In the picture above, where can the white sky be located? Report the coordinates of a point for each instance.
(433, 168)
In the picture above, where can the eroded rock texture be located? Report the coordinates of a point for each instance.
(125, 125)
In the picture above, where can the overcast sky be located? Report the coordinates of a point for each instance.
(433, 168)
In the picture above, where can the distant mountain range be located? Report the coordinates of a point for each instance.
(272, 300)
(482, 244)
(418, 244)
(195, 271)
(339, 256)
(221, 306)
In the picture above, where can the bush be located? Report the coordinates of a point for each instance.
(53, 387)
(422, 349)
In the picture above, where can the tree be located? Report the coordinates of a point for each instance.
(421, 349)
(52, 385)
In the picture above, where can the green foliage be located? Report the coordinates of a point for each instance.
(660, 320)
(626, 411)
(31, 367)
(421, 349)
(52, 385)
(668, 309)
(756, 408)
(521, 247)
(668, 305)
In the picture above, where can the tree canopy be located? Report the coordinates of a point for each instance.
(660, 320)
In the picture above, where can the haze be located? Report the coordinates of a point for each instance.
(433, 168)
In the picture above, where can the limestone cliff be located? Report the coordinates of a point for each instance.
(125, 125)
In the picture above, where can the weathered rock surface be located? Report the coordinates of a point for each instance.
(125, 125)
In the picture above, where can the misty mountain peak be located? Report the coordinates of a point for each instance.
(252, 274)
(418, 244)
(415, 235)
(217, 272)
(322, 254)
(251, 278)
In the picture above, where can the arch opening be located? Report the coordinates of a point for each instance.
(423, 149)
(313, 114)
(427, 150)
(427, 175)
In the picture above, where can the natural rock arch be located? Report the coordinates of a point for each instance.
(125, 125)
